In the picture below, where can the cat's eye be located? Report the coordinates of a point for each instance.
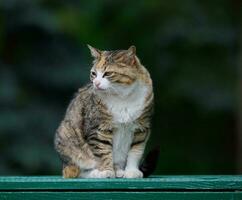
(93, 73)
(107, 74)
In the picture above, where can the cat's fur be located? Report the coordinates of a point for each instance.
(107, 124)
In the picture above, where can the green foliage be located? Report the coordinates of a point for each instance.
(188, 46)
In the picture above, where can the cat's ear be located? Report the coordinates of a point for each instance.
(130, 56)
(96, 53)
(131, 51)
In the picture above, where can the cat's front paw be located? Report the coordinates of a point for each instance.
(101, 174)
(119, 173)
(133, 173)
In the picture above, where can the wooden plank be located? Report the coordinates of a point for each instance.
(117, 195)
(171, 183)
(237, 195)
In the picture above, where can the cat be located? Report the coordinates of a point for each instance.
(107, 124)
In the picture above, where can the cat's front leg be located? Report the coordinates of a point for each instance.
(135, 154)
(119, 169)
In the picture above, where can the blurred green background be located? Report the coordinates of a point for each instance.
(190, 47)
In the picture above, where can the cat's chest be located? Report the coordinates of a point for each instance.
(129, 109)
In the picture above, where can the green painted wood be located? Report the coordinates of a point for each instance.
(165, 183)
(238, 195)
(118, 195)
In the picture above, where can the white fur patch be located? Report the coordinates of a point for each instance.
(95, 173)
(122, 140)
(127, 106)
(104, 83)
(86, 164)
(134, 173)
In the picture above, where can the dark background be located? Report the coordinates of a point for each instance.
(190, 47)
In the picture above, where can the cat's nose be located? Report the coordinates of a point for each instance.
(97, 83)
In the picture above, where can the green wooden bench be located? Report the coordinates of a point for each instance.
(156, 187)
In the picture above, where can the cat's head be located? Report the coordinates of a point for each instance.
(114, 70)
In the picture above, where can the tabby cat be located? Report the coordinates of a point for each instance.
(107, 124)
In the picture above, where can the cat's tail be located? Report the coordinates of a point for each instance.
(150, 162)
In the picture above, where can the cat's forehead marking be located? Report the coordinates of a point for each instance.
(108, 57)
(105, 58)
(101, 62)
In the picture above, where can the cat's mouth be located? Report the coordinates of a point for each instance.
(99, 88)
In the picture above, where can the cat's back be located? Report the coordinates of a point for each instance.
(82, 100)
